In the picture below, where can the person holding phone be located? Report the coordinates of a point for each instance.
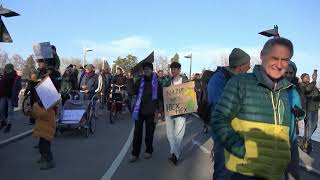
(310, 103)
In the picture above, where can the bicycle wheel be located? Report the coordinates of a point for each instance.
(92, 121)
(26, 105)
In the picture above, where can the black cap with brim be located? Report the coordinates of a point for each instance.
(175, 65)
(147, 65)
(40, 60)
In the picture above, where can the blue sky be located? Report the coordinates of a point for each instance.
(208, 29)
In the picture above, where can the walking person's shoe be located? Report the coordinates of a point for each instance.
(147, 155)
(173, 159)
(205, 129)
(133, 159)
(7, 129)
(31, 121)
(41, 160)
(2, 124)
(47, 165)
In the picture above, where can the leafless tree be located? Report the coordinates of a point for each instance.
(161, 63)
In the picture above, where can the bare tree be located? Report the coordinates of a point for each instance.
(224, 60)
(67, 61)
(161, 63)
(18, 62)
(4, 59)
(29, 67)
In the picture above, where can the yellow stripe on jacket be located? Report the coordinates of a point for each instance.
(45, 126)
(267, 149)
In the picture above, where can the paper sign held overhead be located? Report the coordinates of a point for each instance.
(180, 99)
(43, 50)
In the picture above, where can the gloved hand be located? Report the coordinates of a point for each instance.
(297, 111)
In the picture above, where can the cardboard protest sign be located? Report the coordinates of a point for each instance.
(43, 50)
(47, 93)
(180, 99)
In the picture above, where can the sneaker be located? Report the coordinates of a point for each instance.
(7, 129)
(41, 160)
(147, 155)
(173, 159)
(133, 159)
(2, 124)
(47, 165)
(205, 129)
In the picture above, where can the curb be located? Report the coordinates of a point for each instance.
(310, 169)
(15, 138)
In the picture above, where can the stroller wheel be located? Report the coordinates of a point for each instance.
(85, 131)
(92, 125)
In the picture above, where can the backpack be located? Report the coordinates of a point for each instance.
(204, 108)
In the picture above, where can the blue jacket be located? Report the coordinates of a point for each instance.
(216, 85)
(294, 98)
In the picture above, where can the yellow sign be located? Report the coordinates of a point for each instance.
(180, 99)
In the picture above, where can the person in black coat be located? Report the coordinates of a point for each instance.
(149, 100)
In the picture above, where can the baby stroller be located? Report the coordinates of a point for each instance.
(78, 113)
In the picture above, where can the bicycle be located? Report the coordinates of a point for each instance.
(116, 102)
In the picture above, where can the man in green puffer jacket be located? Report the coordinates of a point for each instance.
(252, 118)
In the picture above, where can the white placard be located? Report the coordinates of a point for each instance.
(72, 115)
(47, 93)
(42, 50)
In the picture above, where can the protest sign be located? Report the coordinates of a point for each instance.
(72, 116)
(180, 99)
(47, 93)
(42, 50)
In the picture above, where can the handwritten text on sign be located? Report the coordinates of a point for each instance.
(180, 99)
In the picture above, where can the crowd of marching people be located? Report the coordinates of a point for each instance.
(253, 117)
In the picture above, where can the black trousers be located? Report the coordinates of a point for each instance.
(45, 149)
(138, 131)
(237, 176)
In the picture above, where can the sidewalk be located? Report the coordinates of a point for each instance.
(20, 128)
(311, 162)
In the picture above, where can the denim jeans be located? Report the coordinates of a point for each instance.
(311, 124)
(175, 127)
(219, 169)
(6, 109)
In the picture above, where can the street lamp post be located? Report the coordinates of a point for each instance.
(189, 57)
(85, 50)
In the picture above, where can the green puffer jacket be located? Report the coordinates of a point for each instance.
(252, 121)
(164, 81)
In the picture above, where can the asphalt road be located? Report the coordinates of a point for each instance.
(80, 158)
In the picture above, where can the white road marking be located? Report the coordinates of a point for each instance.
(116, 163)
(202, 148)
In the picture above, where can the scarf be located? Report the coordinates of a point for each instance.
(90, 74)
(135, 114)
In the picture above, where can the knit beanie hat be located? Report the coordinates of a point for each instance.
(238, 57)
(293, 65)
